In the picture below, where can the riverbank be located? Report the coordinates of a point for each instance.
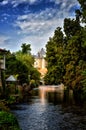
(8, 121)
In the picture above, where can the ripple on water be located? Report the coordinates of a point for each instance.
(38, 117)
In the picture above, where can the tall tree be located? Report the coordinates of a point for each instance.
(54, 50)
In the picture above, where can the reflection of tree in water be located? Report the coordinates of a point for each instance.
(51, 95)
(55, 97)
(68, 97)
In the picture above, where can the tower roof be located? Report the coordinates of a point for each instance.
(41, 53)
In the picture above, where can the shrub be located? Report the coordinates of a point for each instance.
(11, 99)
(8, 121)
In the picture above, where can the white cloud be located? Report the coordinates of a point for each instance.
(17, 2)
(3, 39)
(67, 2)
(22, 17)
(4, 2)
(39, 23)
(40, 35)
(38, 27)
(65, 5)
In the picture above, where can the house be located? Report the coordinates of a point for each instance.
(2, 62)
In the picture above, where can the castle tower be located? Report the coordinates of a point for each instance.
(40, 63)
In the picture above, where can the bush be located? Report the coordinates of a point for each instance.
(11, 99)
(8, 121)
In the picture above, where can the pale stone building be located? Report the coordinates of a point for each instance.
(40, 63)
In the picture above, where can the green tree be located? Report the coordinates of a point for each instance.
(28, 60)
(26, 49)
(73, 52)
(15, 67)
(54, 51)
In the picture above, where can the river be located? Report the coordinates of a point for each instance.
(49, 109)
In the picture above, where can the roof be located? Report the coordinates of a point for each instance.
(11, 78)
(3, 50)
(40, 54)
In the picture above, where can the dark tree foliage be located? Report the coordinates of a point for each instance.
(66, 54)
(83, 9)
(20, 69)
(54, 54)
(15, 67)
(71, 27)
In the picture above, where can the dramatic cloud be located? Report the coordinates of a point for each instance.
(67, 5)
(34, 22)
(40, 23)
(38, 27)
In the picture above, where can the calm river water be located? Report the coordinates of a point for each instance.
(48, 109)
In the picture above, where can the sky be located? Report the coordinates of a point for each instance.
(32, 21)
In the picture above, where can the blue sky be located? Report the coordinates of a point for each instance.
(32, 21)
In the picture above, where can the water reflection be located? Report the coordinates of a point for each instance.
(42, 95)
(51, 94)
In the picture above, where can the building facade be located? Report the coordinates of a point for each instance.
(40, 63)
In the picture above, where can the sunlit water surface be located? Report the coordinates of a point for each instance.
(48, 110)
